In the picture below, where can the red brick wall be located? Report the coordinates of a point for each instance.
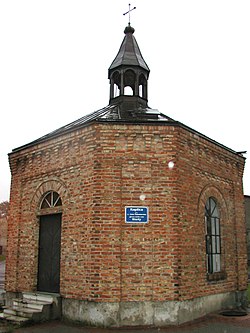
(206, 170)
(99, 170)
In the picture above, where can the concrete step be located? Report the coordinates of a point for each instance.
(43, 297)
(14, 319)
(32, 304)
(21, 312)
(34, 307)
(18, 315)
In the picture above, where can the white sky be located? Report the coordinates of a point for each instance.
(55, 54)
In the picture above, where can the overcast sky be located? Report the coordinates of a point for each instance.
(55, 54)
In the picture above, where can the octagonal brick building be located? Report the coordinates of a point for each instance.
(131, 217)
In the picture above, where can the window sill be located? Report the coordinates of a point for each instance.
(213, 277)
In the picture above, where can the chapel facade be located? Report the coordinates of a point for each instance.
(133, 218)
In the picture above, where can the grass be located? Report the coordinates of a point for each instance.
(2, 257)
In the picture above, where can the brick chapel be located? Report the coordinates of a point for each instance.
(132, 217)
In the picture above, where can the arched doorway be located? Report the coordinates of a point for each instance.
(48, 279)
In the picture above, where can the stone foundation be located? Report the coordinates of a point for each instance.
(104, 314)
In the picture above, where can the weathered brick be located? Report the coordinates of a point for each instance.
(100, 169)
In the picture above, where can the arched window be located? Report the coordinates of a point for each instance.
(116, 91)
(129, 82)
(116, 84)
(51, 199)
(213, 236)
(128, 91)
(142, 86)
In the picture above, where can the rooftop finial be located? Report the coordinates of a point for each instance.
(128, 12)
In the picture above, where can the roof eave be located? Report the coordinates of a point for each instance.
(100, 120)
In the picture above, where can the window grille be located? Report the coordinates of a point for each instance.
(213, 236)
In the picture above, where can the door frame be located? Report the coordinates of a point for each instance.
(49, 216)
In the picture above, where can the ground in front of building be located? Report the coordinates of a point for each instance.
(214, 323)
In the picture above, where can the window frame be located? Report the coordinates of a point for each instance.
(213, 240)
(51, 203)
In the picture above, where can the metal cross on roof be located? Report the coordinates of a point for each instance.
(128, 12)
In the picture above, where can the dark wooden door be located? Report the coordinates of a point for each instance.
(49, 253)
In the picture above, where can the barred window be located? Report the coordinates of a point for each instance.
(213, 236)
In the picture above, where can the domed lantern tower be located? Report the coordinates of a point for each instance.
(128, 75)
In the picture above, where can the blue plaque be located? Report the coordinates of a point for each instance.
(136, 214)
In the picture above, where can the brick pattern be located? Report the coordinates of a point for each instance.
(100, 169)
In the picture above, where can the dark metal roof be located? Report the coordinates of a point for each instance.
(129, 53)
(115, 114)
(110, 113)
